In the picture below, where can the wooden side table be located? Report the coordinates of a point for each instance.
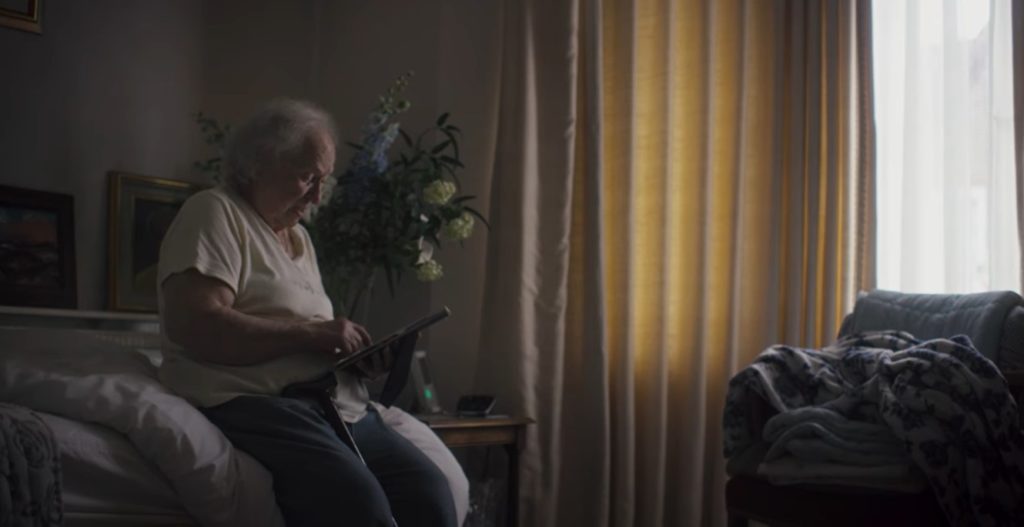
(509, 432)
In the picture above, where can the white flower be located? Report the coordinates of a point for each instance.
(429, 271)
(426, 252)
(439, 192)
(458, 229)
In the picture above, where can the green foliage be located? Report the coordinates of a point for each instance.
(389, 210)
(214, 134)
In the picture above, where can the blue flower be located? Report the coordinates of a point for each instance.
(376, 120)
(360, 161)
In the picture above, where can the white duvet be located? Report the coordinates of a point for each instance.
(74, 374)
(103, 473)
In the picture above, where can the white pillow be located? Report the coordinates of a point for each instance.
(76, 375)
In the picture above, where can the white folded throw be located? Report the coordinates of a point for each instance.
(821, 435)
(789, 470)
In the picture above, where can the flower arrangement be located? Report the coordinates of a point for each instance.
(387, 213)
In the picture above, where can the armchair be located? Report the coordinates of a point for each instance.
(995, 323)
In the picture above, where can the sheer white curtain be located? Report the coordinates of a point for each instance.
(944, 110)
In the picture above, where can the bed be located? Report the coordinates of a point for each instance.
(107, 482)
(131, 452)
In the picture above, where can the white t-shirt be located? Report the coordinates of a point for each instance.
(220, 235)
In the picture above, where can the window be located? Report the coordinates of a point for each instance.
(944, 113)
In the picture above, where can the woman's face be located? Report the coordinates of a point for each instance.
(284, 194)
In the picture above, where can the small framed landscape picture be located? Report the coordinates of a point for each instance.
(141, 210)
(37, 249)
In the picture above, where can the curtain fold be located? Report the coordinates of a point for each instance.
(862, 111)
(687, 196)
(524, 306)
(1017, 15)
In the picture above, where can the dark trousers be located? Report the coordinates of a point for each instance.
(319, 480)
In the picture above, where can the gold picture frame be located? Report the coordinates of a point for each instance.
(141, 209)
(28, 18)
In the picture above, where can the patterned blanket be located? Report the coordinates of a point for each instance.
(871, 401)
(30, 491)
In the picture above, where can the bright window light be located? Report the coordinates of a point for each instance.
(947, 212)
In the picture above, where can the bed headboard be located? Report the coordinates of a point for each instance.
(136, 331)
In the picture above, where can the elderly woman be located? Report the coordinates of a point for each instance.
(244, 315)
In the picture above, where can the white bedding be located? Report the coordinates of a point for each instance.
(69, 374)
(103, 474)
(131, 447)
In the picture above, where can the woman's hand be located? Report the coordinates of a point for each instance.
(376, 364)
(379, 363)
(340, 336)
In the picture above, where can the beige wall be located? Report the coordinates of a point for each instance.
(255, 50)
(452, 45)
(107, 86)
(113, 84)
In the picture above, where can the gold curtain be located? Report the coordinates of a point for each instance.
(677, 185)
(728, 167)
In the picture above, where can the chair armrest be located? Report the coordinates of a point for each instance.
(1015, 383)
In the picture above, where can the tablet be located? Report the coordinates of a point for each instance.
(418, 325)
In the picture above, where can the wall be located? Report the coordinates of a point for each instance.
(109, 85)
(113, 85)
(452, 47)
(468, 87)
(254, 51)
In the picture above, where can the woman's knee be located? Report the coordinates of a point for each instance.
(350, 499)
(433, 504)
(366, 506)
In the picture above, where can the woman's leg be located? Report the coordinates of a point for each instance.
(416, 488)
(318, 480)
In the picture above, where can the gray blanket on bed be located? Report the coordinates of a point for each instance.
(30, 491)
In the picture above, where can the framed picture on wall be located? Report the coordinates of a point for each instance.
(26, 15)
(141, 210)
(37, 249)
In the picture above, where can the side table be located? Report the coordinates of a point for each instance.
(509, 432)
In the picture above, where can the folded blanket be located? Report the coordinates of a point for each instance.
(897, 477)
(821, 434)
(851, 404)
(30, 492)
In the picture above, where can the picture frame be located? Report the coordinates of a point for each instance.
(141, 209)
(37, 249)
(26, 15)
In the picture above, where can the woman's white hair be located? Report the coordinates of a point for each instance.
(279, 131)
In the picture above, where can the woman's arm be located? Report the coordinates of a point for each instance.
(199, 316)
